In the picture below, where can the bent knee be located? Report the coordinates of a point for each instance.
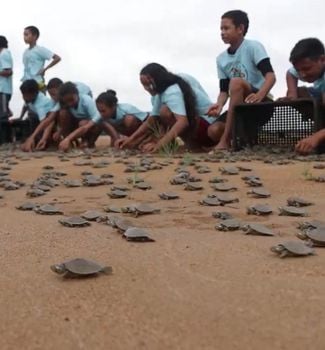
(238, 84)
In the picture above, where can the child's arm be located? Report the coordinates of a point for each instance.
(82, 130)
(110, 130)
(292, 86)
(55, 60)
(216, 108)
(264, 90)
(309, 144)
(46, 136)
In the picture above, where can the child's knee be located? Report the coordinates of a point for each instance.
(237, 84)
(215, 131)
(131, 122)
(166, 115)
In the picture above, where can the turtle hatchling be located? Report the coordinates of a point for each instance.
(292, 211)
(259, 209)
(315, 236)
(298, 202)
(137, 235)
(140, 209)
(228, 225)
(224, 187)
(47, 209)
(117, 194)
(210, 201)
(80, 268)
(292, 248)
(168, 195)
(229, 170)
(35, 192)
(257, 229)
(26, 206)
(74, 221)
(142, 186)
(259, 192)
(91, 215)
(223, 215)
(193, 186)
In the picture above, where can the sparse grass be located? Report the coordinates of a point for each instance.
(307, 175)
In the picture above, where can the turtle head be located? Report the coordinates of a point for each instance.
(58, 268)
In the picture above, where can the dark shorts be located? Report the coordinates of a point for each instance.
(201, 137)
(4, 105)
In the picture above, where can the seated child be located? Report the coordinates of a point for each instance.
(5, 78)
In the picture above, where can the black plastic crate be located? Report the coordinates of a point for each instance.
(275, 123)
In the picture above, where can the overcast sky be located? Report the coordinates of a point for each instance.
(105, 43)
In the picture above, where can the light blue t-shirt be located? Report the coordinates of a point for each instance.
(41, 106)
(243, 63)
(5, 63)
(82, 88)
(34, 60)
(123, 109)
(173, 98)
(318, 85)
(86, 109)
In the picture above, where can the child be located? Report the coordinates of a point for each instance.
(5, 78)
(45, 128)
(308, 59)
(77, 111)
(179, 106)
(35, 56)
(244, 70)
(124, 118)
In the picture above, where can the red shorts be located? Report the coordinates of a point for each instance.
(201, 136)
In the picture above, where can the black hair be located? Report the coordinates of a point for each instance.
(67, 88)
(29, 86)
(34, 30)
(163, 79)
(238, 17)
(108, 98)
(3, 42)
(311, 48)
(54, 83)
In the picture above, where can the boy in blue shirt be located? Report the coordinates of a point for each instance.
(244, 70)
(6, 66)
(308, 60)
(34, 57)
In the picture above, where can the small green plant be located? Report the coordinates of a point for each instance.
(307, 175)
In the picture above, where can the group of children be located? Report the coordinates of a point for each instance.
(180, 105)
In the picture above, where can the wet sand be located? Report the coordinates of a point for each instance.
(194, 288)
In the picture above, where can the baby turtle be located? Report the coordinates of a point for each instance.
(217, 180)
(111, 209)
(176, 180)
(228, 225)
(80, 268)
(168, 195)
(91, 215)
(298, 202)
(210, 201)
(292, 248)
(72, 183)
(259, 192)
(319, 166)
(225, 198)
(93, 180)
(136, 234)
(203, 170)
(257, 229)
(311, 225)
(142, 186)
(83, 162)
(292, 211)
(259, 209)
(47, 209)
(193, 186)
(315, 236)
(120, 188)
(223, 215)
(224, 187)
(254, 182)
(35, 192)
(117, 194)
(320, 178)
(11, 186)
(27, 206)
(229, 170)
(244, 168)
(140, 209)
(120, 223)
(74, 221)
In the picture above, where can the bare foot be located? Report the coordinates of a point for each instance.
(222, 145)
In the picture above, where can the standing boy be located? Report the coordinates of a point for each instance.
(5, 78)
(35, 56)
(244, 69)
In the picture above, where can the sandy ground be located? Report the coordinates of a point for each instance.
(194, 288)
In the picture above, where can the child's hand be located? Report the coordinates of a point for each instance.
(307, 145)
(28, 145)
(150, 147)
(122, 143)
(41, 144)
(64, 145)
(214, 110)
(253, 98)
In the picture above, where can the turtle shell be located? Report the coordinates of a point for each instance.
(292, 211)
(217, 179)
(226, 198)
(72, 183)
(74, 221)
(137, 234)
(82, 267)
(229, 170)
(223, 215)
(48, 209)
(228, 225)
(257, 229)
(259, 209)
(117, 194)
(317, 236)
(35, 192)
(91, 215)
(292, 248)
(178, 181)
(224, 187)
(26, 206)
(168, 195)
(120, 188)
(259, 192)
(111, 209)
(210, 201)
(298, 202)
(83, 162)
(142, 186)
(92, 180)
(193, 187)
(122, 224)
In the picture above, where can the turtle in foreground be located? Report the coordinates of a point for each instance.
(193, 186)
(210, 201)
(91, 215)
(259, 209)
(259, 192)
(35, 192)
(257, 229)
(315, 236)
(120, 223)
(228, 225)
(298, 202)
(311, 225)
(168, 195)
(136, 234)
(291, 211)
(74, 221)
(47, 209)
(80, 268)
(292, 248)
(117, 194)
(223, 215)
(26, 206)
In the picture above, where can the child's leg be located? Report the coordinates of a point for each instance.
(239, 89)
(66, 122)
(89, 139)
(215, 131)
(130, 125)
